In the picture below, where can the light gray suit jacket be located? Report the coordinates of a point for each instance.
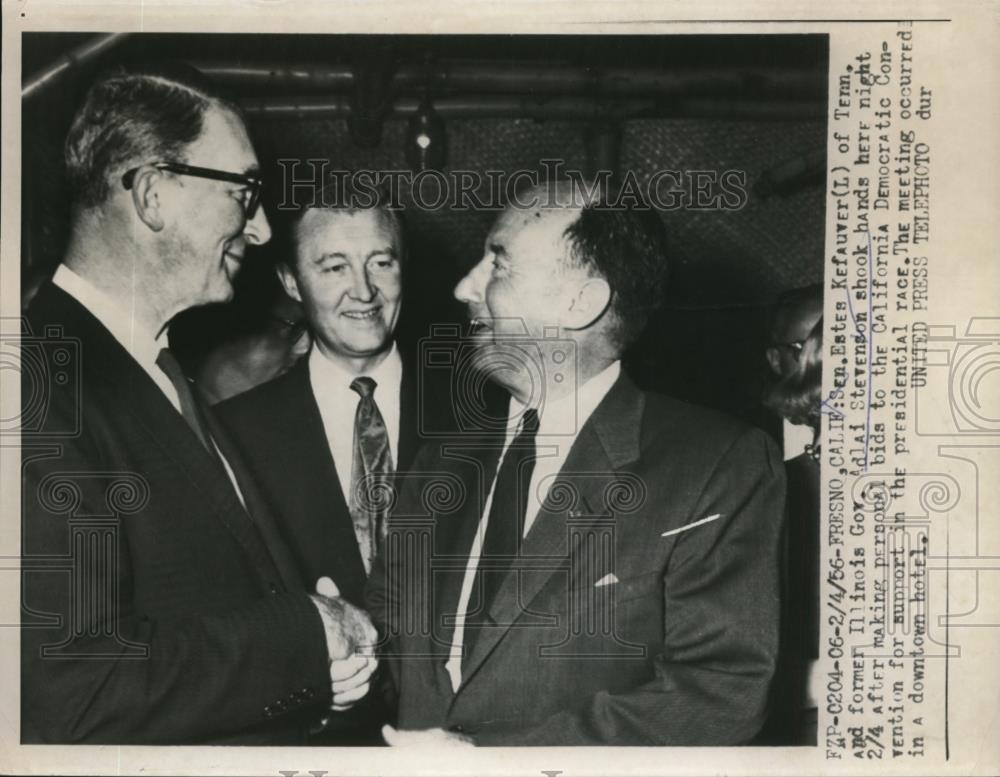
(644, 608)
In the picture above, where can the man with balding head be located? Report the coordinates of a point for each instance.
(160, 604)
(607, 573)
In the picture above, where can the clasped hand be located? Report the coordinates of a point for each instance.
(350, 642)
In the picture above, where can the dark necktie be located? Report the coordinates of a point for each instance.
(190, 408)
(505, 525)
(372, 468)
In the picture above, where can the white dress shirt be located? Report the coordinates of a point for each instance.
(338, 404)
(141, 342)
(559, 424)
(795, 438)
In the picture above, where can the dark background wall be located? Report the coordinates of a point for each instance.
(707, 343)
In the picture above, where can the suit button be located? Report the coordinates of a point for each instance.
(268, 711)
(458, 728)
(274, 588)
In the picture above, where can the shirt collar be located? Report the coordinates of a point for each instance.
(567, 414)
(387, 373)
(140, 341)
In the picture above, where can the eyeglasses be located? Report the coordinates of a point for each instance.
(252, 184)
(796, 346)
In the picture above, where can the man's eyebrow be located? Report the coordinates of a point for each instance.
(388, 250)
(498, 249)
(330, 255)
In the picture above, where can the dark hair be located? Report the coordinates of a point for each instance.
(334, 196)
(628, 248)
(132, 116)
(797, 396)
(790, 304)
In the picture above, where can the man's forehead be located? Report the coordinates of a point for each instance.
(796, 323)
(224, 143)
(336, 225)
(543, 226)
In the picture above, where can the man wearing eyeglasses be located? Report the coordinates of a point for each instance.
(161, 604)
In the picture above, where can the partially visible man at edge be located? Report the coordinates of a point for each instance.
(183, 620)
(793, 316)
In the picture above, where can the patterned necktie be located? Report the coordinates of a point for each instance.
(190, 408)
(372, 468)
(505, 525)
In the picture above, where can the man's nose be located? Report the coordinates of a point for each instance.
(361, 287)
(257, 229)
(470, 288)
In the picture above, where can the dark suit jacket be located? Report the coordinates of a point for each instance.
(279, 428)
(676, 647)
(280, 431)
(789, 722)
(154, 609)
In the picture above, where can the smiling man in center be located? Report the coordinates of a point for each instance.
(343, 417)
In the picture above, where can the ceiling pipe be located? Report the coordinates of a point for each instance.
(550, 108)
(73, 59)
(602, 141)
(458, 77)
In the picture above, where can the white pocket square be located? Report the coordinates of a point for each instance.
(691, 525)
(609, 579)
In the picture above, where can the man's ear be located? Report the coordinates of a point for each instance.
(146, 197)
(773, 359)
(287, 277)
(588, 304)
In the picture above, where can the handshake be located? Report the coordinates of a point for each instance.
(350, 643)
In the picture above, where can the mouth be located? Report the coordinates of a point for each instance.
(362, 315)
(231, 263)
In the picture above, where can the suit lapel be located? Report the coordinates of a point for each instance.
(458, 531)
(136, 396)
(205, 473)
(256, 505)
(608, 442)
(409, 418)
(311, 474)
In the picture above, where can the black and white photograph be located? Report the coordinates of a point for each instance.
(453, 391)
(422, 386)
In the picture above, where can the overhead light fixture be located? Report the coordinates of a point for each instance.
(426, 139)
(372, 96)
